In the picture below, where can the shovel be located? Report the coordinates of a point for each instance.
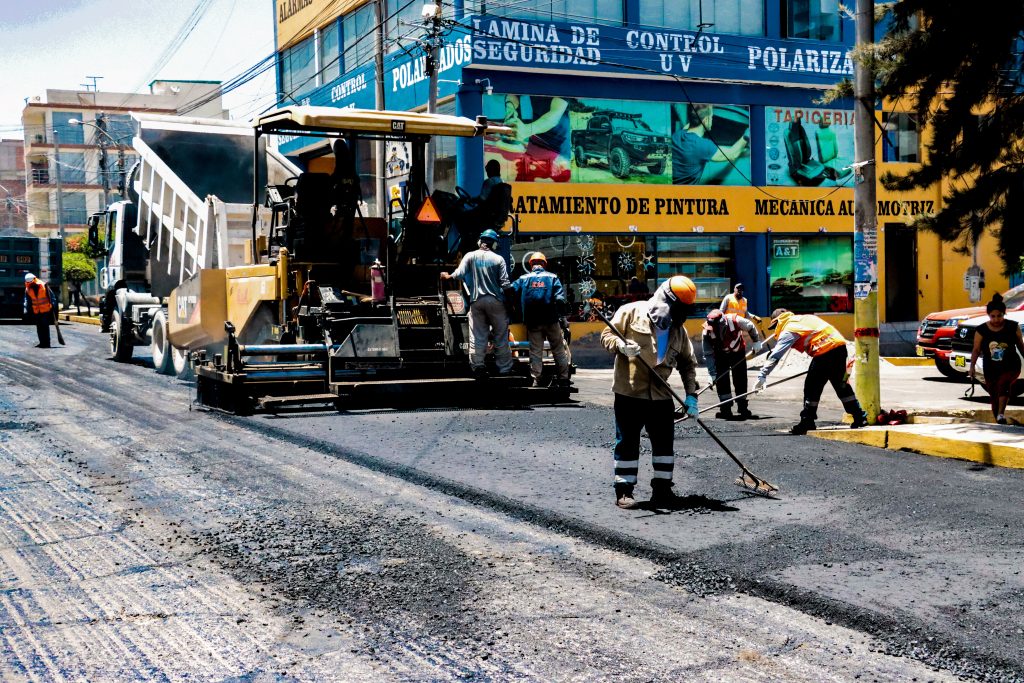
(747, 480)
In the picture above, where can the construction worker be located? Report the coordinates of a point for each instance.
(39, 306)
(737, 303)
(485, 276)
(827, 349)
(653, 331)
(542, 302)
(725, 352)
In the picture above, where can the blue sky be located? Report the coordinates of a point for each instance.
(57, 43)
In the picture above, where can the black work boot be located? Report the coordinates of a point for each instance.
(743, 411)
(859, 420)
(624, 497)
(662, 495)
(803, 426)
(724, 413)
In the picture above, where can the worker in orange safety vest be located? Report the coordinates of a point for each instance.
(736, 303)
(827, 349)
(39, 306)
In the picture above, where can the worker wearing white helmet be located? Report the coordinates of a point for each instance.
(39, 305)
(653, 330)
(542, 302)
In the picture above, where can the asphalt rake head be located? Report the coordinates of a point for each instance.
(758, 487)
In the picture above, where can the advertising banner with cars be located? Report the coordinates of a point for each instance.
(812, 273)
(808, 147)
(587, 140)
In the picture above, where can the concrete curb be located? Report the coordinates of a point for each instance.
(904, 361)
(84, 319)
(994, 445)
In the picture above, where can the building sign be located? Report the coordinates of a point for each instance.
(297, 19)
(612, 49)
(812, 273)
(808, 147)
(600, 208)
(591, 140)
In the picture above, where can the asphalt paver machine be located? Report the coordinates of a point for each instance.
(334, 306)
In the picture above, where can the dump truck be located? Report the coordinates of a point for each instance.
(22, 252)
(188, 208)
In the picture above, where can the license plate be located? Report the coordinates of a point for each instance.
(920, 351)
(960, 361)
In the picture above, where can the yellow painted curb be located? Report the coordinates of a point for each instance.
(988, 452)
(871, 436)
(85, 319)
(904, 361)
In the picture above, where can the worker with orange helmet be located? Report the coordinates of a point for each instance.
(542, 301)
(653, 331)
(827, 349)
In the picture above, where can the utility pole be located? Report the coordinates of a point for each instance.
(383, 201)
(101, 126)
(865, 236)
(433, 67)
(60, 191)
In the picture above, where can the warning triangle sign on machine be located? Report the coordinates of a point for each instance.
(428, 212)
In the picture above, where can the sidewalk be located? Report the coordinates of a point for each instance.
(987, 444)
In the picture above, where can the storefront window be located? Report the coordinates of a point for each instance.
(705, 260)
(901, 142)
(812, 274)
(815, 19)
(330, 59)
(596, 271)
(743, 17)
(298, 70)
(359, 41)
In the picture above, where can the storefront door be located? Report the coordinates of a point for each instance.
(900, 273)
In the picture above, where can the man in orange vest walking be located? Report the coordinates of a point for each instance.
(827, 349)
(40, 303)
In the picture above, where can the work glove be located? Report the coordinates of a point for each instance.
(629, 349)
(691, 406)
(759, 386)
(758, 347)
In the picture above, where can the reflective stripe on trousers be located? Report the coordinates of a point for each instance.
(631, 416)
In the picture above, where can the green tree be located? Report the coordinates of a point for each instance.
(960, 66)
(78, 267)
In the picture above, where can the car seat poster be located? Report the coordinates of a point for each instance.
(808, 147)
(812, 274)
(588, 140)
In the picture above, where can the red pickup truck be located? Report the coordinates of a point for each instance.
(935, 336)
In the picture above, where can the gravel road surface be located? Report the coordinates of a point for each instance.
(143, 539)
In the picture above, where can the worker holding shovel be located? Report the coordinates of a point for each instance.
(649, 337)
(725, 352)
(827, 349)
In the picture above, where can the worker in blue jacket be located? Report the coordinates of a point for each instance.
(542, 302)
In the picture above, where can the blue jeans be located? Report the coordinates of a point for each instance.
(632, 415)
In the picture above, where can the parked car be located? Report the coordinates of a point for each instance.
(963, 347)
(622, 141)
(935, 335)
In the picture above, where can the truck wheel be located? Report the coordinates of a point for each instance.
(944, 367)
(658, 168)
(181, 363)
(581, 156)
(618, 162)
(161, 347)
(120, 343)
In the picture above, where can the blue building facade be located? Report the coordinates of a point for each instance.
(650, 137)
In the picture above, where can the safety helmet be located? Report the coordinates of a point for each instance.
(683, 288)
(489, 235)
(538, 257)
(29, 277)
(779, 317)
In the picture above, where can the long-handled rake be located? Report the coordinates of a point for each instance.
(747, 480)
(685, 417)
